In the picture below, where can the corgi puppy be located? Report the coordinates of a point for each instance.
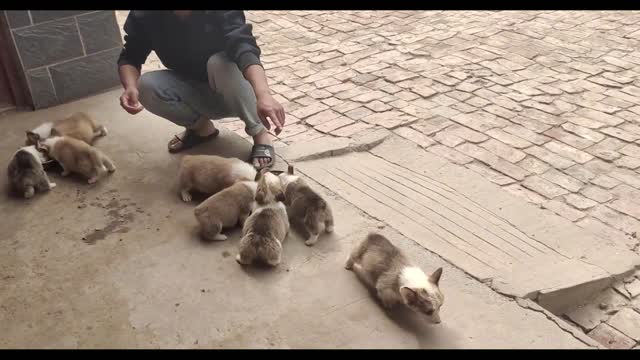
(26, 174)
(225, 209)
(384, 268)
(76, 156)
(209, 174)
(266, 228)
(79, 126)
(305, 206)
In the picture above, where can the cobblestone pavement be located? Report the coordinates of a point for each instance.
(544, 104)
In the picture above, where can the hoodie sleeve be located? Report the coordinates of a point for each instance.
(137, 45)
(239, 42)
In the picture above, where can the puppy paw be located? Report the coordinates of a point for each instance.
(52, 185)
(311, 240)
(219, 237)
(185, 195)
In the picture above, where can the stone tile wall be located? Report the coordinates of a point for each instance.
(65, 54)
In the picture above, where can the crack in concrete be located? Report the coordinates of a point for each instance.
(531, 305)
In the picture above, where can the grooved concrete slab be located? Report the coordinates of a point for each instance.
(469, 221)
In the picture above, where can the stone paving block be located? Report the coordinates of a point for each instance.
(627, 321)
(568, 152)
(633, 288)
(431, 126)
(605, 181)
(526, 194)
(503, 150)
(596, 193)
(415, 136)
(564, 210)
(543, 187)
(549, 157)
(579, 202)
(490, 174)
(626, 176)
(611, 338)
(583, 132)
(479, 121)
(594, 310)
(493, 161)
(615, 219)
(450, 154)
(567, 138)
(580, 172)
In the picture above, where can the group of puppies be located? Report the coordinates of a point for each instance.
(264, 203)
(69, 141)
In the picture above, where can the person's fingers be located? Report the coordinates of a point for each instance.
(264, 120)
(129, 106)
(275, 119)
(281, 115)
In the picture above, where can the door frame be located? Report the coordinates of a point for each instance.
(11, 66)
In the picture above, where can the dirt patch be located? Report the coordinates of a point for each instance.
(120, 212)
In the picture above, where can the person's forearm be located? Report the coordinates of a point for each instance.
(129, 76)
(258, 79)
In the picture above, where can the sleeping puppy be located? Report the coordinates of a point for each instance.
(78, 126)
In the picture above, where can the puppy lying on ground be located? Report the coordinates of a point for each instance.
(79, 126)
(209, 174)
(384, 268)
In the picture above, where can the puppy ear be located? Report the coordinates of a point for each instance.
(435, 277)
(408, 295)
(33, 137)
(260, 195)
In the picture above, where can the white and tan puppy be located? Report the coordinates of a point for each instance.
(265, 230)
(225, 209)
(384, 268)
(76, 156)
(209, 174)
(26, 174)
(79, 126)
(305, 206)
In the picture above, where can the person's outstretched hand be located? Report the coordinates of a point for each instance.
(270, 109)
(129, 101)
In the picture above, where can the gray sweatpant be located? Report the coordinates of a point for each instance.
(183, 101)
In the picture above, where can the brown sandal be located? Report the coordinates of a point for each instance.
(190, 139)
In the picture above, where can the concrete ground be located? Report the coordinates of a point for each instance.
(513, 162)
(120, 264)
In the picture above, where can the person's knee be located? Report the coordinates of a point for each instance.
(147, 87)
(154, 87)
(218, 62)
(223, 73)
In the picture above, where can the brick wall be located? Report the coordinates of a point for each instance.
(65, 54)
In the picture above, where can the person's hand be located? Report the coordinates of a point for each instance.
(129, 101)
(270, 109)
